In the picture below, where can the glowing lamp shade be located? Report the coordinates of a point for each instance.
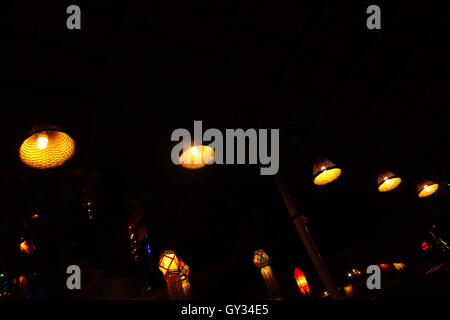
(325, 171)
(169, 263)
(260, 259)
(388, 181)
(302, 283)
(426, 188)
(349, 290)
(47, 148)
(197, 157)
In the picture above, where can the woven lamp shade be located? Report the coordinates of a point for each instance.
(426, 188)
(47, 147)
(388, 181)
(325, 171)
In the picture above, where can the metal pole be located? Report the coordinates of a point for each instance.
(300, 224)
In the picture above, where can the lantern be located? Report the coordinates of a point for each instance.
(325, 171)
(184, 276)
(426, 188)
(197, 157)
(261, 260)
(399, 266)
(169, 266)
(46, 147)
(388, 181)
(302, 283)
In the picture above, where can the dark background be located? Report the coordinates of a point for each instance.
(366, 99)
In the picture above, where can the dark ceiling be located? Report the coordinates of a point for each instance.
(366, 99)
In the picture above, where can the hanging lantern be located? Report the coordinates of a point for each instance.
(46, 147)
(170, 268)
(197, 157)
(261, 260)
(388, 181)
(302, 283)
(168, 262)
(426, 188)
(325, 171)
(399, 266)
(184, 276)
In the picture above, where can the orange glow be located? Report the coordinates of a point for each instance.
(47, 149)
(388, 182)
(327, 176)
(197, 157)
(399, 266)
(427, 189)
(168, 263)
(302, 283)
(349, 290)
(26, 247)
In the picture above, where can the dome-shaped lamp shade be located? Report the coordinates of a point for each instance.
(197, 157)
(260, 258)
(46, 148)
(168, 262)
(388, 181)
(427, 188)
(325, 171)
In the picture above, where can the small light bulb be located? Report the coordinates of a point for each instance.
(427, 188)
(323, 168)
(42, 141)
(385, 178)
(194, 151)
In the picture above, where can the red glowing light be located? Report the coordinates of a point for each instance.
(425, 246)
(301, 281)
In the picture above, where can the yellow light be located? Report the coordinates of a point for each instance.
(399, 266)
(42, 141)
(349, 290)
(327, 176)
(168, 262)
(197, 157)
(388, 181)
(325, 171)
(427, 189)
(47, 149)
